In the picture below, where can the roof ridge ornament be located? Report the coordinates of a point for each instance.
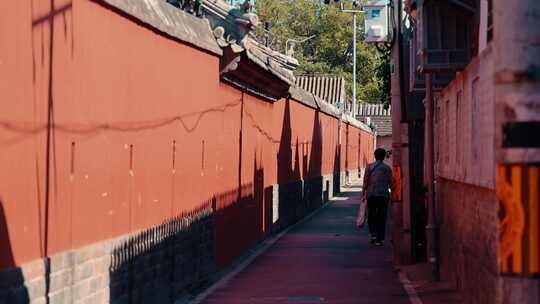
(194, 7)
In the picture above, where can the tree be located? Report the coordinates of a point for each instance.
(330, 51)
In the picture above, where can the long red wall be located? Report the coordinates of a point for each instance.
(117, 128)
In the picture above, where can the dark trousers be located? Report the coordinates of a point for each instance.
(377, 213)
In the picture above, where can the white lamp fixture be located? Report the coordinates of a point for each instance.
(377, 21)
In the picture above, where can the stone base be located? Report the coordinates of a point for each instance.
(153, 266)
(467, 217)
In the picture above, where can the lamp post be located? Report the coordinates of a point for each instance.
(354, 12)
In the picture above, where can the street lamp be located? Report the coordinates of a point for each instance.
(353, 12)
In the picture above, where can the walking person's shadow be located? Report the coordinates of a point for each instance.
(12, 288)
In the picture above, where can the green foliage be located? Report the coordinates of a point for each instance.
(330, 51)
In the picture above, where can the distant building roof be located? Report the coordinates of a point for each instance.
(366, 109)
(383, 125)
(377, 115)
(329, 88)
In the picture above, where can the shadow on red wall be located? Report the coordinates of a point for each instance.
(6, 256)
(11, 277)
(160, 264)
(313, 179)
(239, 219)
(300, 185)
(288, 177)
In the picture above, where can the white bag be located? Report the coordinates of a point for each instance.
(361, 217)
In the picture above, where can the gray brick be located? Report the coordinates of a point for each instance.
(83, 271)
(98, 283)
(468, 239)
(101, 265)
(91, 252)
(108, 246)
(61, 279)
(40, 300)
(33, 270)
(63, 296)
(81, 290)
(81, 256)
(67, 261)
(100, 297)
(35, 288)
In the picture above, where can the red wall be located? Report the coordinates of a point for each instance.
(134, 128)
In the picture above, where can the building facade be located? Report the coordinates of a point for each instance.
(380, 120)
(470, 63)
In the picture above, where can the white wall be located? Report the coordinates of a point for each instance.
(464, 131)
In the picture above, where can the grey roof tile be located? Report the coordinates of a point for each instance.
(327, 87)
(170, 20)
(378, 115)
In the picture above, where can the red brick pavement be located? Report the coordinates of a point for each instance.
(323, 260)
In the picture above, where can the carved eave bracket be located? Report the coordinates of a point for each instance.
(240, 71)
(231, 51)
(229, 61)
(245, 62)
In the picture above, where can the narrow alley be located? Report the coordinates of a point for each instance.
(323, 259)
(214, 151)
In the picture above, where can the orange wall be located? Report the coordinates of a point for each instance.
(141, 129)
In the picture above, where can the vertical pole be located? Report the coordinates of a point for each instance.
(401, 223)
(431, 228)
(353, 108)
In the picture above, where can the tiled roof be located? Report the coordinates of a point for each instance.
(373, 110)
(171, 21)
(383, 125)
(378, 116)
(328, 88)
(276, 63)
(311, 100)
(234, 27)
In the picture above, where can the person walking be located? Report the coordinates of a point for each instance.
(377, 183)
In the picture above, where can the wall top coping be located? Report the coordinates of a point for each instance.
(311, 100)
(171, 21)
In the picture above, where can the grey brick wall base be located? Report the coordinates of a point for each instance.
(152, 266)
(468, 232)
(156, 265)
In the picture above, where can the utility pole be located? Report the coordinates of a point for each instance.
(353, 12)
(354, 66)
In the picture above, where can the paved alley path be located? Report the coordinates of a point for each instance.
(323, 260)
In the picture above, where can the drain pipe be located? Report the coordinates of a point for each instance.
(432, 227)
